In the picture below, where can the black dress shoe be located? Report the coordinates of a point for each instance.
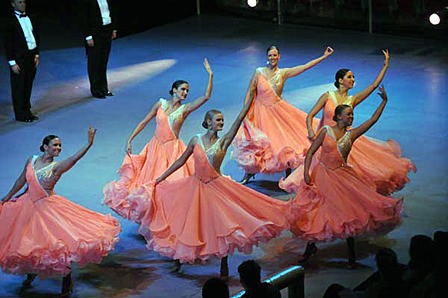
(98, 95)
(34, 117)
(24, 119)
(108, 93)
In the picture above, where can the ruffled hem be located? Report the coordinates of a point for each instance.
(139, 202)
(138, 170)
(380, 163)
(288, 186)
(46, 235)
(131, 206)
(396, 183)
(253, 152)
(57, 260)
(167, 231)
(116, 192)
(291, 183)
(323, 227)
(236, 240)
(386, 180)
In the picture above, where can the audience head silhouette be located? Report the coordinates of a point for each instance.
(250, 278)
(215, 288)
(250, 274)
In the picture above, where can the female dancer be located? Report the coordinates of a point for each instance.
(334, 202)
(44, 232)
(161, 151)
(268, 141)
(208, 214)
(379, 163)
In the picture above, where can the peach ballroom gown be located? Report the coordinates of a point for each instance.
(208, 214)
(340, 204)
(376, 162)
(42, 232)
(159, 153)
(273, 136)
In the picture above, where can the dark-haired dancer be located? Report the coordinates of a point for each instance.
(273, 136)
(43, 233)
(208, 214)
(161, 151)
(334, 201)
(377, 162)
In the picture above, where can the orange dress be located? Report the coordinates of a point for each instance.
(376, 162)
(207, 214)
(44, 233)
(156, 157)
(273, 136)
(340, 204)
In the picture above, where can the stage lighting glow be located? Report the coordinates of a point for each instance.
(252, 3)
(434, 19)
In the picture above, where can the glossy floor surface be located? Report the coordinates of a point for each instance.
(142, 68)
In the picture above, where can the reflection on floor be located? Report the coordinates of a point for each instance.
(142, 68)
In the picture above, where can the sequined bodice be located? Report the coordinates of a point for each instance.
(168, 126)
(330, 105)
(276, 81)
(335, 152)
(270, 85)
(215, 154)
(45, 175)
(176, 117)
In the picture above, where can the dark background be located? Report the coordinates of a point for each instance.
(61, 19)
(134, 15)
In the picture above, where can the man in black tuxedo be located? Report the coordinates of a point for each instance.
(100, 22)
(22, 52)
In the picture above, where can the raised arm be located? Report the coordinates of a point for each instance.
(319, 105)
(310, 153)
(20, 182)
(152, 113)
(201, 100)
(230, 135)
(180, 161)
(68, 163)
(252, 86)
(294, 71)
(359, 97)
(358, 131)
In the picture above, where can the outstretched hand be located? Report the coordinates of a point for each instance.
(15, 68)
(128, 148)
(207, 66)
(328, 51)
(91, 135)
(386, 56)
(382, 93)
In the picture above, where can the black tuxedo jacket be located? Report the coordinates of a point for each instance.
(15, 42)
(91, 19)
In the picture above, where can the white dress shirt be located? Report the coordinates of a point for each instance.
(27, 29)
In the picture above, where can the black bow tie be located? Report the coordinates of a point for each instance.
(23, 15)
